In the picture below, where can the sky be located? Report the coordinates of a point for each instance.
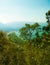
(23, 10)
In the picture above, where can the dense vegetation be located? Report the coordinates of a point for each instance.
(28, 49)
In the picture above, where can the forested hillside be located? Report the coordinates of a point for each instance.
(28, 48)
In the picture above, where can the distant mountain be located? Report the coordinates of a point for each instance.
(18, 24)
(15, 26)
(4, 27)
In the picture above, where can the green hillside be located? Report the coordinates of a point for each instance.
(25, 50)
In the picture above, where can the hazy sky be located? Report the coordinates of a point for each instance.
(23, 10)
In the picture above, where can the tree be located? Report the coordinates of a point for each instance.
(48, 16)
(27, 31)
(47, 28)
(14, 38)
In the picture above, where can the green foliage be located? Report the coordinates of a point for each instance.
(48, 13)
(14, 38)
(27, 31)
(14, 52)
(48, 16)
(46, 28)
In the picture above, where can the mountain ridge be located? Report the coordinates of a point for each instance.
(15, 26)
